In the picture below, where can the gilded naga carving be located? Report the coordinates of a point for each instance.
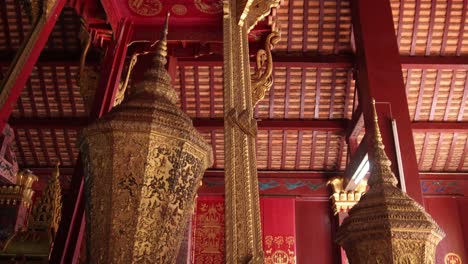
(262, 79)
(386, 225)
(144, 162)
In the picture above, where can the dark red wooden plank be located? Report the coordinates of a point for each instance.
(56, 146)
(448, 11)
(420, 96)
(327, 146)
(423, 151)
(437, 152)
(212, 92)
(415, 27)
(303, 92)
(183, 94)
(286, 92)
(461, 112)
(450, 95)
(400, 21)
(463, 157)
(333, 89)
(197, 91)
(43, 146)
(461, 30)
(435, 96)
(6, 28)
(450, 153)
(298, 150)
(57, 91)
(283, 149)
(214, 146)
(440, 126)
(336, 44)
(270, 149)
(70, 89)
(19, 147)
(290, 24)
(312, 150)
(305, 24)
(271, 105)
(317, 94)
(45, 96)
(68, 144)
(430, 31)
(32, 147)
(347, 93)
(320, 29)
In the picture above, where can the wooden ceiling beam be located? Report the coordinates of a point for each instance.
(328, 125)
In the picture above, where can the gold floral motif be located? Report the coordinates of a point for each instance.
(209, 6)
(279, 250)
(143, 165)
(145, 7)
(262, 79)
(344, 200)
(386, 225)
(179, 9)
(452, 258)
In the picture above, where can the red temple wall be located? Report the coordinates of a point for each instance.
(452, 215)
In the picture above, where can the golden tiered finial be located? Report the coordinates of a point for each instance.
(161, 45)
(381, 172)
(48, 211)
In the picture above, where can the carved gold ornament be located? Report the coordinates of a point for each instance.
(179, 9)
(344, 200)
(386, 225)
(256, 11)
(145, 7)
(452, 258)
(21, 192)
(209, 6)
(261, 79)
(144, 162)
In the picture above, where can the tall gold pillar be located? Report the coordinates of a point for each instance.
(242, 214)
(143, 164)
(386, 225)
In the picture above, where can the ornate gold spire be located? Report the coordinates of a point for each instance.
(386, 225)
(144, 163)
(157, 81)
(48, 211)
(380, 169)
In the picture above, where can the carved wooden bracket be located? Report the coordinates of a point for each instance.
(344, 200)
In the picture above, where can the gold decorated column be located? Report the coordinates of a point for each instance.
(386, 225)
(241, 92)
(144, 162)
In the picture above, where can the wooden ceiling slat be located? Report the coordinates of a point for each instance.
(70, 90)
(182, 88)
(464, 100)
(283, 149)
(290, 24)
(437, 152)
(317, 94)
(446, 27)
(68, 147)
(435, 97)
(56, 145)
(298, 150)
(461, 30)
(19, 147)
(270, 149)
(44, 149)
(6, 28)
(20, 23)
(32, 147)
(58, 98)
(400, 20)
(431, 29)
(463, 156)
(450, 95)
(197, 91)
(312, 150)
(451, 151)
(271, 98)
(420, 95)
(415, 27)
(213, 145)
(320, 29)
(423, 151)
(303, 92)
(32, 97)
(43, 88)
(287, 92)
(305, 23)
